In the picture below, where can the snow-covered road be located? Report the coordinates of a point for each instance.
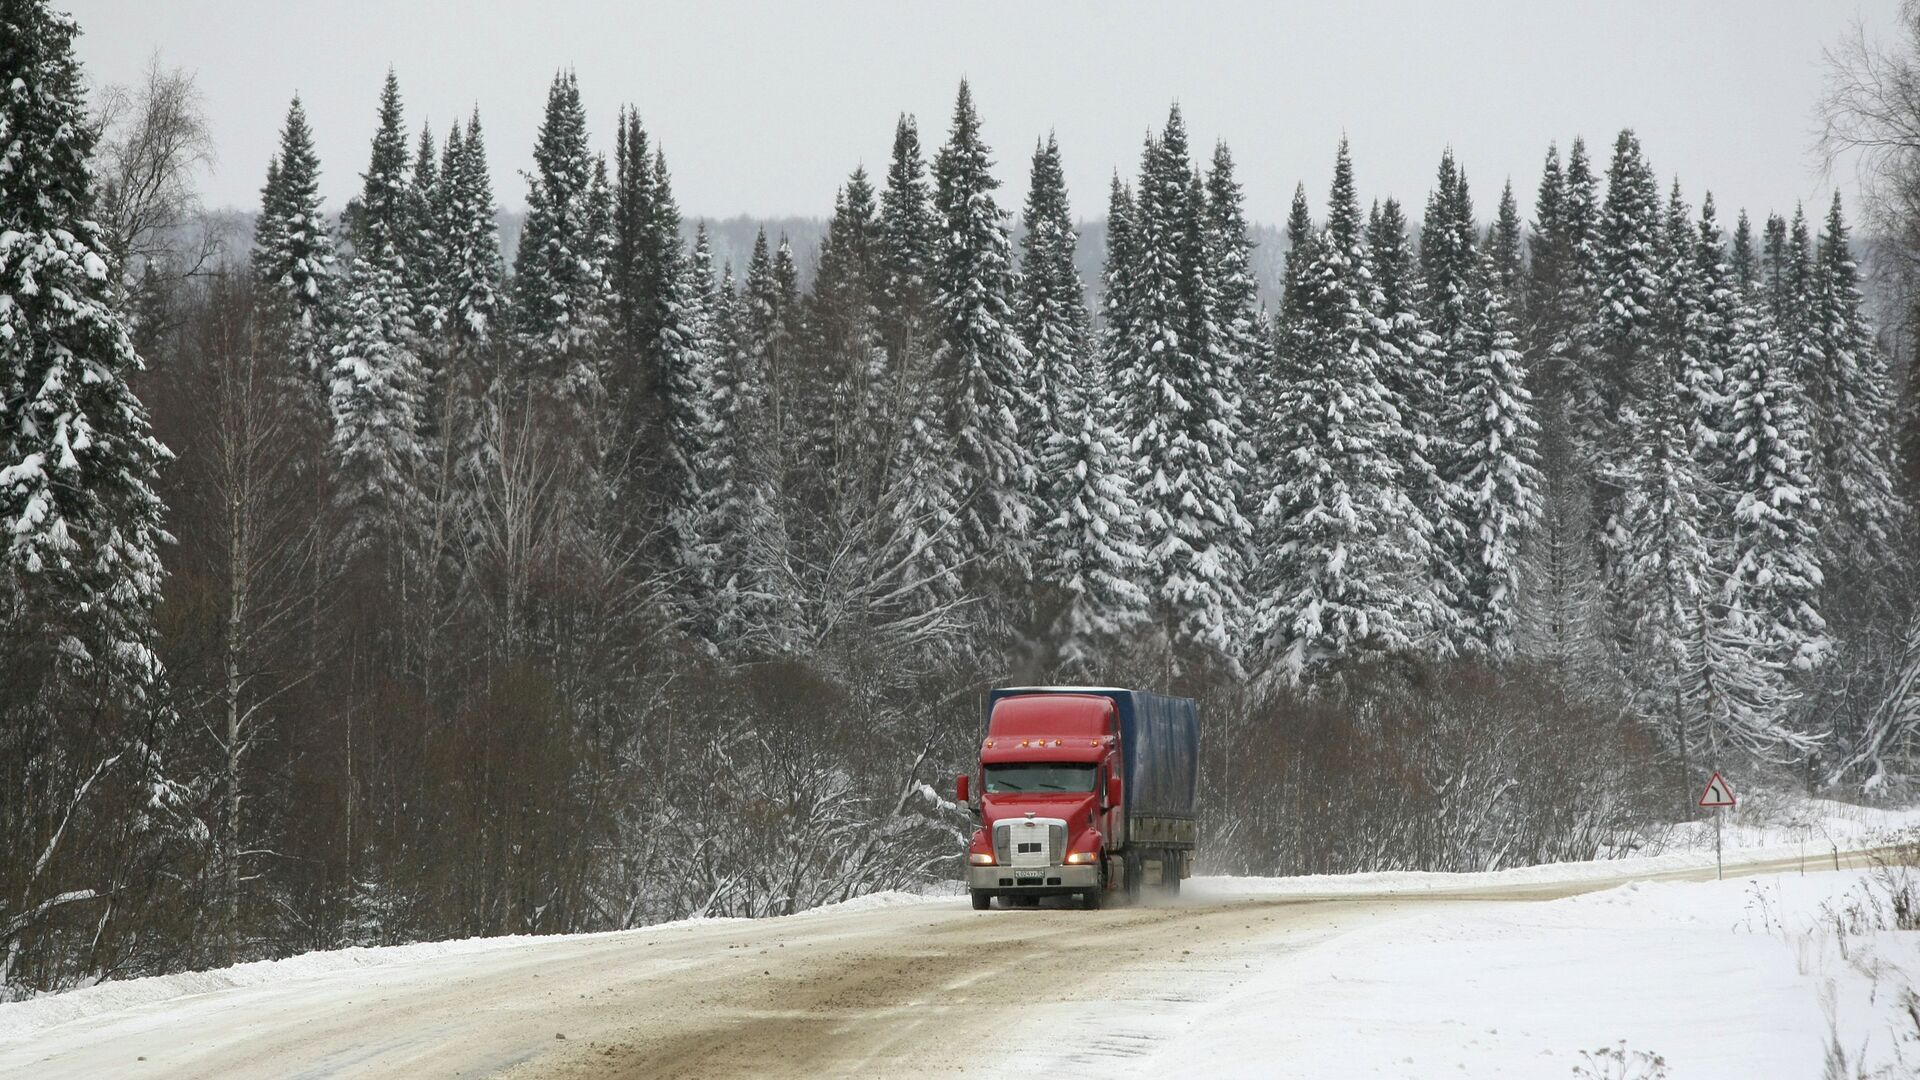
(1382, 975)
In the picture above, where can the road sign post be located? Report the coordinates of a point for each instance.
(1718, 796)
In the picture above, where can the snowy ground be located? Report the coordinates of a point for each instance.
(1508, 974)
(1737, 979)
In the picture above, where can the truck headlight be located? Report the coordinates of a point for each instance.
(980, 858)
(1080, 858)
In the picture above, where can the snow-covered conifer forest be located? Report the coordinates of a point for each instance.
(367, 582)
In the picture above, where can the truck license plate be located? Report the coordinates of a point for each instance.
(1028, 879)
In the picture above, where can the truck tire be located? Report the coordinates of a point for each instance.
(1094, 897)
(1170, 878)
(982, 900)
(1135, 870)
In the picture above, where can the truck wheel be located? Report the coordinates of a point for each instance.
(1134, 871)
(1094, 897)
(982, 900)
(1170, 881)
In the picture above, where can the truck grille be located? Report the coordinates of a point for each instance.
(1025, 842)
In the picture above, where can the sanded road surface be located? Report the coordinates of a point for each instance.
(925, 988)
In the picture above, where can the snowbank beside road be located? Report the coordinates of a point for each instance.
(1738, 979)
(1779, 833)
(21, 1019)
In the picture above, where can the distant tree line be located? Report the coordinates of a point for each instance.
(610, 586)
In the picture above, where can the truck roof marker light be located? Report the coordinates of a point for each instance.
(989, 743)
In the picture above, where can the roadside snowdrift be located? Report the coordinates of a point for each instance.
(20, 1020)
(1739, 979)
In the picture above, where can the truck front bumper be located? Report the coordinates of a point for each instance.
(1032, 881)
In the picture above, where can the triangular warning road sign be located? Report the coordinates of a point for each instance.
(1718, 793)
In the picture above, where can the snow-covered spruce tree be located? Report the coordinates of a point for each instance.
(1229, 258)
(475, 380)
(979, 362)
(425, 243)
(1451, 292)
(908, 231)
(1052, 313)
(378, 386)
(1775, 574)
(1547, 270)
(1621, 343)
(1243, 350)
(769, 323)
(561, 295)
(1711, 336)
(1744, 259)
(662, 253)
(1409, 368)
(1776, 272)
(1179, 393)
(293, 257)
(1507, 266)
(83, 716)
(1686, 330)
(1343, 536)
(1242, 342)
(473, 241)
(1849, 394)
(1790, 259)
(696, 399)
(631, 274)
(1114, 336)
(663, 265)
(845, 389)
(1299, 256)
(1564, 278)
(760, 333)
(1449, 266)
(1580, 218)
(1289, 335)
(789, 366)
(1495, 471)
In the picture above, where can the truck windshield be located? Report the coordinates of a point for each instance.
(1003, 779)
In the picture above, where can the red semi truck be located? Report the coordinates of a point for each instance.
(1082, 791)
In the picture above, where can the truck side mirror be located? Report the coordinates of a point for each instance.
(1113, 790)
(960, 788)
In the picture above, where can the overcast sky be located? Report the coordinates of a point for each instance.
(763, 108)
